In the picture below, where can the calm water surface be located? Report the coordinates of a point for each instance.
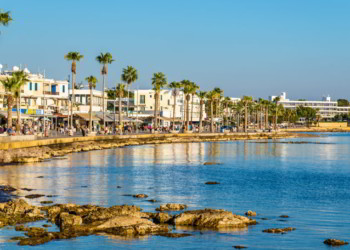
(308, 182)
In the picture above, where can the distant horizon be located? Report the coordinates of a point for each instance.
(255, 48)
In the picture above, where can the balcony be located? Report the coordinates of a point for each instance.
(51, 93)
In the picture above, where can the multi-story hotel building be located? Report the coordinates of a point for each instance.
(82, 100)
(326, 107)
(38, 94)
(144, 102)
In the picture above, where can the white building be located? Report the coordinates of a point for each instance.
(144, 102)
(38, 94)
(326, 107)
(82, 100)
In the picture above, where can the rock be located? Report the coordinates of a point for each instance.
(250, 213)
(27, 189)
(211, 163)
(40, 177)
(18, 238)
(279, 230)
(212, 183)
(171, 207)
(264, 218)
(212, 218)
(46, 202)
(35, 231)
(7, 189)
(284, 216)
(68, 220)
(335, 242)
(34, 196)
(50, 196)
(124, 221)
(174, 235)
(84, 186)
(47, 225)
(239, 247)
(152, 200)
(162, 218)
(119, 187)
(140, 196)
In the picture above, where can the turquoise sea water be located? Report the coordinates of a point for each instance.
(308, 182)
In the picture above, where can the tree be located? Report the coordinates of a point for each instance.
(306, 112)
(276, 100)
(5, 18)
(120, 92)
(246, 100)
(219, 93)
(343, 103)
(21, 78)
(159, 81)
(129, 76)
(187, 89)
(92, 80)
(226, 103)
(194, 89)
(10, 85)
(74, 57)
(212, 97)
(202, 96)
(175, 86)
(104, 60)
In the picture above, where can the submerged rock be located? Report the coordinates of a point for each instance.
(174, 235)
(212, 183)
(239, 247)
(46, 202)
(212, 218)
(250, 213)
(335, 242)
(68, 220)
(284, 216)
(152, 200)
(171, 207)
(140, 196)
(34, 196)
(279, 230)
(212, 163)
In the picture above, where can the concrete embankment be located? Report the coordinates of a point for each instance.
(39, 150)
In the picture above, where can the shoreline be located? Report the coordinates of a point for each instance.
(318, 130)
(41, 150)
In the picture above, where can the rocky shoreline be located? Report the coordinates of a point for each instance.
(42, 153)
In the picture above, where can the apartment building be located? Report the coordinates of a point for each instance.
(326, 107)
(144, 102)
(82, 100)
(39, 95)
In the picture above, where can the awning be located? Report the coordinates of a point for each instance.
(14, 115)
(86, 116)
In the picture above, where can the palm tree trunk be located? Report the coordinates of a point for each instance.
(73, 100)
(192, 113)
(174, 110)
(18, 125)
(127, 102)
(90, 122)
(276, 119)
(103, 100)
(211, 117)
(245, 118)
(9, 110)
(266, 118)
(200, 116)
(120, 111)
(155, 109)
(187, 114)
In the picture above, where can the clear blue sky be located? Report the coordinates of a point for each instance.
(255, 47)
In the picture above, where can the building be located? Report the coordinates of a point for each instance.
(144, 104)
(38, 95)
(82, 100)
(326, 107)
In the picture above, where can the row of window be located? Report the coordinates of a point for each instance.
(35, 86)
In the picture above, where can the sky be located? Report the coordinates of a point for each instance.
(256, 48)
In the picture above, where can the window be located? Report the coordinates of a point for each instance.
(36, 87)
(169, 102)
(150, 107)
(30, 86)
(142, 99)
(161, 97)
(150, 96)
(63, 88)
(143, 108)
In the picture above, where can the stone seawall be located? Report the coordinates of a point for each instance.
(39, 150)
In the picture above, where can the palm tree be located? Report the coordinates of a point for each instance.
(175, 86)
(120, 90)
(202, 96)
(10, 85)
(104, 60)
(212, 97)
(129, 76)
(194, 89)
(159, 81)
(5, 18)
(238, 108)
(246, 100)
(226, 102)
(21, 78)
(92, 80)
(265, 105)
(276, 100)
(74, 57)
(187, 89)
(219, 92)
